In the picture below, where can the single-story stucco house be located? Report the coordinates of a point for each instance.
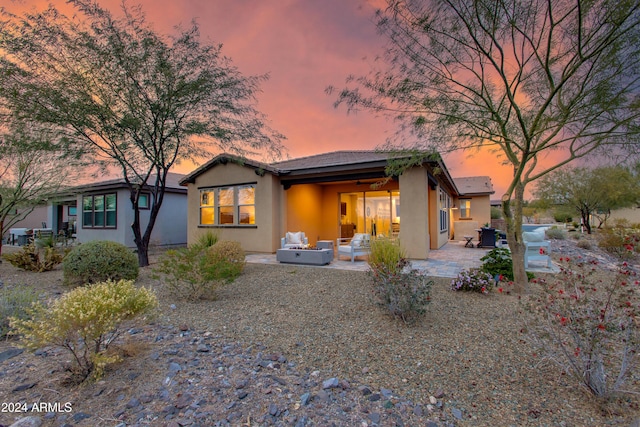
(102, 211)
(330, 196)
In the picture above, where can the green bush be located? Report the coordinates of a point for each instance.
(197, 272)
(496, 213)
(556, 233)
(386, 254)
(33, 258)
(85, 321)
(14, 302)
(99, 261)
(228, 260)
(208, 239)
(498, 262)
(563, 215)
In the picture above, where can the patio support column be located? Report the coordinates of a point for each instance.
(414, 216)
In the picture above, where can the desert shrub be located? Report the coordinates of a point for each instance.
(208, 239)
(620, 242)
(99, 261)
(228, 257)
(404, 292)
(496, 213)
(197, 272)
(473, 280)
(563, 215)
(14, 302)
(556, 233)
(585, 321)
(85, 321)
(33, 258)
(498, 262)
(584, 244)
(386, 254)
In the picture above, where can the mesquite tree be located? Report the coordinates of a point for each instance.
(524, 78)
(590, 191)
(128, 97)
(31, 171)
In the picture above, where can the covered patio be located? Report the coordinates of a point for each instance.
(447, 261)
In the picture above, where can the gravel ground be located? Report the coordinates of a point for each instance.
(287, 345)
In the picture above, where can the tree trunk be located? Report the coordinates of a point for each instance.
(512, 210)
(1, 233)
(143, 254)
(585, 220)
(142, 240)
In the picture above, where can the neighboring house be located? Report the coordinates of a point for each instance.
(327, 196)
(34, 219)
(473, 205)
(102, 211)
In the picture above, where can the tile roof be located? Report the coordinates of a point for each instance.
(173, 183)
(335, 158)
(474, 185)
(317, 165)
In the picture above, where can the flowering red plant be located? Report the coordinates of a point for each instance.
(586, 321)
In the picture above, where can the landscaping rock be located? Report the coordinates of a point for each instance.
(31, 421)
(330, 383)
(12, 352)
(456, 413)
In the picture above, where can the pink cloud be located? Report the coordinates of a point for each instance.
(304, 45)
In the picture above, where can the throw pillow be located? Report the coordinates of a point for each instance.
(357, 240)
(294, 238)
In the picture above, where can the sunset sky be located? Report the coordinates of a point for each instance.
(305, 46)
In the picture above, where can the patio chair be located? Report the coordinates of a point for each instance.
(358, 245)
(536, 248)
(294, 240)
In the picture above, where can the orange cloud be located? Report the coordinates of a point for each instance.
(305, 46)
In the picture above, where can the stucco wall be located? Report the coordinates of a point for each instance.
(304, 210)
(32, 220)
(171, 224)
(465, 228)
(630, 214)
(261, 237)
(118, 234)
(414, 223)
(480, 215)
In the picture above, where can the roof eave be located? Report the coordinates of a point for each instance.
(223, 159)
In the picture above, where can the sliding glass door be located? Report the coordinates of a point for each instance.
(372, 212)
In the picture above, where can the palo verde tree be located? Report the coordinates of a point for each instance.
(589, 191)
(524, 78)
(128, 97)
(31, 171)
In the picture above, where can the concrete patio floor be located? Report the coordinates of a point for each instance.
(447, 261)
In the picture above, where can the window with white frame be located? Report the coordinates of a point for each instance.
(445, 204)
(465, 208)
(229, 205)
